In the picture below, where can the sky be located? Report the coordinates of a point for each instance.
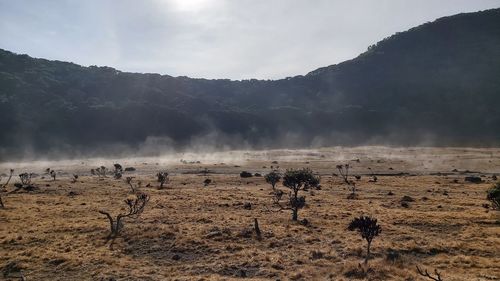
(227, 39)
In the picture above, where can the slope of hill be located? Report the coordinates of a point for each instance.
(437, 83)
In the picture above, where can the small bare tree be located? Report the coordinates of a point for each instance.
(344, 173)
(296, 180)
(162, 178)
(26, 178)
(368, 229)
(131, 184)
(425, 273)
(273, 178)
(135, 207)
(4, 186)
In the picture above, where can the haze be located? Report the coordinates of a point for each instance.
(209, 38)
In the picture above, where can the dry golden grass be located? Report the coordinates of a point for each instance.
(191, 232)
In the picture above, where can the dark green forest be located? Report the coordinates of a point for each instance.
(435, 84)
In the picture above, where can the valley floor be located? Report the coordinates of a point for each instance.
(191, 232)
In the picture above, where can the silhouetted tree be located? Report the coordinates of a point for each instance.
(118, 172)
(135, 207)
(344, 173)
(297, 180)
(368, 229)
(162, 178)
(273, 178)
(131, 184)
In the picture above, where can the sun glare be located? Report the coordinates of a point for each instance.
(189, 5)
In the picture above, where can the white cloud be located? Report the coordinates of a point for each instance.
(212, 38)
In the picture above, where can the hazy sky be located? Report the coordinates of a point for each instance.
(235, 39)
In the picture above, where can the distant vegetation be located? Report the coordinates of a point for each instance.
(437, 79)
(493, 195)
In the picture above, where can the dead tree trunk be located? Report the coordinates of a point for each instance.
(257, 229)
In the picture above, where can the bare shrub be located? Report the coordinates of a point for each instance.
(256, 227)
(273, 178)
(25, 184)
(74, 179)
(26, 178)
(425, 273)
(100, 171)
(4, 186)
(135, 206)
(296, 180)
(51, 173)
(368, 229)
(344, 173)
(162, 178)
(133, 187)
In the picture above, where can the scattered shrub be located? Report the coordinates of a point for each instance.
(118, 172)
(26, 178)
(206, 182)
(4, 186)
(273, 178)
(245, 174)
(344, 173)
(131, 184)
(162, 178)
(297, 180)
(473, 179)
(425, 273)
(51, 173)
(100, 171)
(135, 207)
(493, 195)
(368, 229)
(74, 179)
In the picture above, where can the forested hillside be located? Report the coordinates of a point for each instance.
(438, 83)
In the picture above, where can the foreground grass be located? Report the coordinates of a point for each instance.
(191, 232)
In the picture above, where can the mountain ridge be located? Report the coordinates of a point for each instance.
(434, 82)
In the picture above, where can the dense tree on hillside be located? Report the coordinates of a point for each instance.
(436, 83)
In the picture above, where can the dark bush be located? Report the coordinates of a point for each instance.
(273, 178)
(368, 229)
(297, 180)
(246, 174)
(162, 178)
